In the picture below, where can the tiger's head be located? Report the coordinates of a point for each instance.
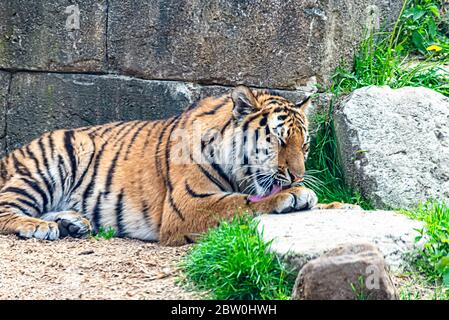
(271, 143)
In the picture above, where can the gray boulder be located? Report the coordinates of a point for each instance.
(350, 272)
(394, 144)
(306, 235)
(5, 79)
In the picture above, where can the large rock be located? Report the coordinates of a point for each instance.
(41, 102)
(394, 144)
(58, 35)
(265, 43)
(303, 236)
(5, 79)
(350, 272)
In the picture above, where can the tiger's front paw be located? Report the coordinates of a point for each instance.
(294, 199)
(35, 228)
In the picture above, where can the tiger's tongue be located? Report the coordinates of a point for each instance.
(256, 198)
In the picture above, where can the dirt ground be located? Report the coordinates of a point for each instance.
(89, 269)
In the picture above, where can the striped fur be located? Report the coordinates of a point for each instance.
(127, 175)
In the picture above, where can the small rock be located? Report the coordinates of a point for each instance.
(349, 272)
(86, 252)
(302, 236)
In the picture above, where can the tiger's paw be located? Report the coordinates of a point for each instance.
(77, 228)
(44, 230)
(294, 199)
(70, 223)
(337, 205)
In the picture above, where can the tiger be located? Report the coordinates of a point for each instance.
(167, 180)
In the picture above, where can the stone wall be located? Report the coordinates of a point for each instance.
(67, 63)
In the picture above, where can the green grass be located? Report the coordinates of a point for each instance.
(433, 258)
(415, 286)
(384, 57)
(105, 233)
(233, 262)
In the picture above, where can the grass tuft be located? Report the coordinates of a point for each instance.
(434, 254)
(233, 262)
(105, 233)
(384, 58)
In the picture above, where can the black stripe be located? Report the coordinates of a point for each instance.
(15, 205)
(282, 117)
(111, 170)
(130, 126)
(175, 207)
(218, 169)
(96, 214)
(146, 211)
(51, 142)
(224, 196)
(147, 139)
(248, 121)
(81, 178)
(35, 187)
(61, 172)
(196, 195)
(29, 204)
(119, 215)
(3, 170)
(22, 153)
(212, 111)
(167, 168)
(227, 124)
(40, 173)
(156, 154)
(47, 167)
(294, 200)
(113, 126)
(256, 137)
(90, 187)
(19, 167)
(167, 156)
(94, 130)
(212, 178)
(68, 145)
(251, 119)
(192, 106)
(21, 192)
(134, 137)
(263, 121)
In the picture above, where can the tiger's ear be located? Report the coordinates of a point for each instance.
(244, 102)
(304, 104)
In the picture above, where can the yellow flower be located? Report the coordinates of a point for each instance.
(434, 47)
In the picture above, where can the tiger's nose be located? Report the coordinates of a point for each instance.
(295, 177)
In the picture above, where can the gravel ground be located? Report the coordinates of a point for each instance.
(89, 269)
